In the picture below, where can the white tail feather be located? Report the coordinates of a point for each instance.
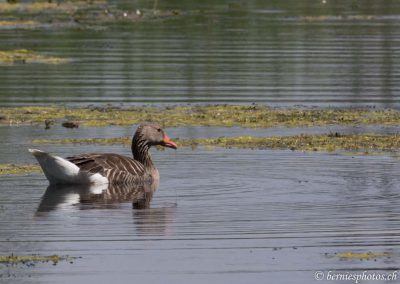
(61, 171)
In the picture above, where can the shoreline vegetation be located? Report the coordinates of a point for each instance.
(213, 115)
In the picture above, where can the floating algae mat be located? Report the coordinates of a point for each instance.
(336, 18)
(32, 259)
(19, 24)
(40, 7)
(219, 115)
(13, 169)
(22, 56)
(83, 14)
(325, 143)
(348, 255)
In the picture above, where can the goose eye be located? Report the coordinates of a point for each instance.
(159, 129)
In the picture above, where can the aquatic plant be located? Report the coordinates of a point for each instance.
(334, 18)
(40, 7)
(349, 255)
(13, 169)
(99, 141)
(23, 56)
(32, 259)
(18, 24)
(86, 14)
(215, 115)
(326, 142)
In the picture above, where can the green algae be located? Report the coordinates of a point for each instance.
(32, 259)
(331, 18)
(326, 143)
(14, 169)
(97, 141)
(82, 14)
(349, 255)
(39, 7)
(19, 24)
(24, 56)
(216, 115)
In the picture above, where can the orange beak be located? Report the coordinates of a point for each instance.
(167, 142)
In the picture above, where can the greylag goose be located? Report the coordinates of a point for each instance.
(108, 168)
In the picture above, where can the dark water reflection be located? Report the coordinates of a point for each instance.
(97, 196)
(74, 197)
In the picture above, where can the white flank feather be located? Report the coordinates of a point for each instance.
(61, 171)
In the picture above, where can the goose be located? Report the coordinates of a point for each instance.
(108, 168)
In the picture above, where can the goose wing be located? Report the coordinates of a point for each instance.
(116, 168)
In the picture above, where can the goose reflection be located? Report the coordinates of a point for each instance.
(96, 196)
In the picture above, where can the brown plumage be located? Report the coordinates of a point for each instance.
(116, 168)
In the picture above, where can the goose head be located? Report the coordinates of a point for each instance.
(152, 134)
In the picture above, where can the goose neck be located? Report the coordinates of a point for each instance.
(140, 152)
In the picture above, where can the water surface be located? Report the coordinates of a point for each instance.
(225, 216)
(296, 52)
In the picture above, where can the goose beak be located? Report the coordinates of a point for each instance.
(167, 142)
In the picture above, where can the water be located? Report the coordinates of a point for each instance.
(296, 52)
(219, 215)
(224, 216)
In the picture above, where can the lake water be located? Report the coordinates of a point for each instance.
(220, 215)
(223, 216)
(298, 52)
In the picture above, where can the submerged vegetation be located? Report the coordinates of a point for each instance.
(216, 115)
(22, 56)
(325, 143)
